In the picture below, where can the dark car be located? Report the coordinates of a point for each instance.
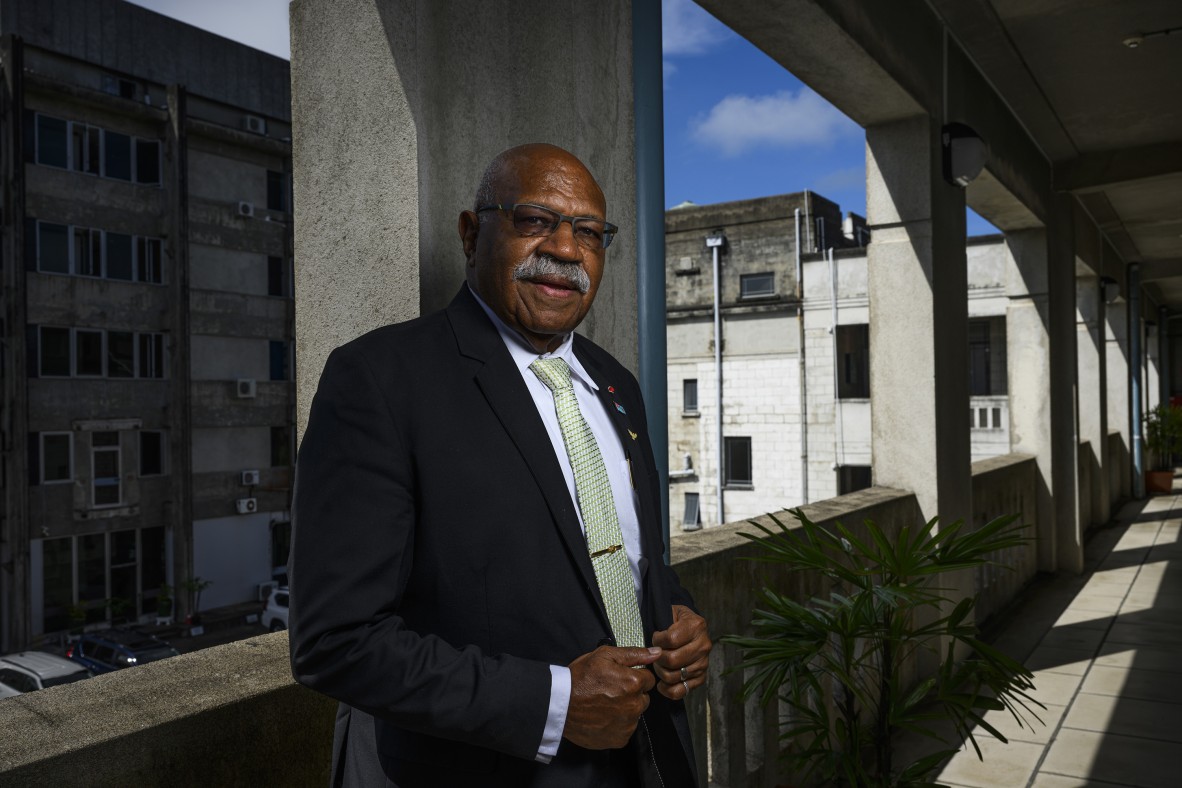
(114, 649)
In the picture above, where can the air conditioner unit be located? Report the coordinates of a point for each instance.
(265, 590)
(246, 209)
(247, 505)
(247, 388)
(254, 123)
(250, 478)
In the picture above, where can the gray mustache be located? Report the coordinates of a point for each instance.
(545, 265)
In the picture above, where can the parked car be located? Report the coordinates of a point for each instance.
(28, 671)
(274, 615)
(7, 691)
(114, 649)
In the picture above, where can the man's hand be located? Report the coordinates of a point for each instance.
(685, 645)
(607, 696)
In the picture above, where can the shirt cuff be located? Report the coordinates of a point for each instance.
(556, 716)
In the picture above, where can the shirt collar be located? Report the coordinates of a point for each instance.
(524, 353)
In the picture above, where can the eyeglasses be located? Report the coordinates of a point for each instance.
(535, 220)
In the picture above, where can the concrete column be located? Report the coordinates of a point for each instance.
(918, 319)
(1116, 358)
(397, 107)
(1093, 391)
(1028, 353)
(1063, 384)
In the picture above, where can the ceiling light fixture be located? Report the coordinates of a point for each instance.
(1134, 40)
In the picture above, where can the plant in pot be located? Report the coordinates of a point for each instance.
(1163, 438)
(843, 664)
(195, 585)
(164, 602)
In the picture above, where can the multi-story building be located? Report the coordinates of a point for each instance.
(795, 356)
(147, 315)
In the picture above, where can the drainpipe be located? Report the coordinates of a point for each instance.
(714, 243)
(838, 434)
(1135, 368)
(648, 110)
(1163, 355)
(804, 407)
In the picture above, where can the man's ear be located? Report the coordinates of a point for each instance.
(469, 227)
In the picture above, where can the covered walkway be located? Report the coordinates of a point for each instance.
(1104, 647)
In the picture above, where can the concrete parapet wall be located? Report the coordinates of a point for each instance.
(227, 716)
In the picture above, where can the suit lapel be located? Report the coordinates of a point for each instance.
(500, 382)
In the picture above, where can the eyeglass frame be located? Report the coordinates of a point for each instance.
(609, 229)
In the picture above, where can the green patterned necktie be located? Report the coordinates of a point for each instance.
(605, 542)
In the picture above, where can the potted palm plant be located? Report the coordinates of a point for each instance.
(841, 662)
(1163, 438)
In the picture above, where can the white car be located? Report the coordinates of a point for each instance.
(28, 671)
(274, 615)
(7, 691)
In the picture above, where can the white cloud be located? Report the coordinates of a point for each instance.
(686, 29)
(739, 123)
(838, 180)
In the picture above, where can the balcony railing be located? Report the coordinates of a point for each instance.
(231, 715)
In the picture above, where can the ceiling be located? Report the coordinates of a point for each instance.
(1108, 116)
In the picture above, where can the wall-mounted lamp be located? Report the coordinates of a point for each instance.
(965, 153)
(1109, 289)
(716, 240)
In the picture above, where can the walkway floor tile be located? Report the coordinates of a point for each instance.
(1125, 716)
(1124, 760)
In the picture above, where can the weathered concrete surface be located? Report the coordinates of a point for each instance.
(433, 90)
(1093, 399)
(227, 716)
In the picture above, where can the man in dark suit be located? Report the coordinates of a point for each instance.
(476, 565)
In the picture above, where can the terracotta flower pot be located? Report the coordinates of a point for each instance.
(1159, 481)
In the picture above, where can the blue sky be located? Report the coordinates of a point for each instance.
(737, 125)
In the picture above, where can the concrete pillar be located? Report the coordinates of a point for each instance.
(918, 319)
(397, 106)
(1093, 391)
(1028, 353)
(1063, 384)
(1116, 358)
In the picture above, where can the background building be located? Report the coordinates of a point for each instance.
(148, 400)
(768, 461)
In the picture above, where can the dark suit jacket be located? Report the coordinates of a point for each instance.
(438, 567)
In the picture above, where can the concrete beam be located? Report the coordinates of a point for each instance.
(1098, 170)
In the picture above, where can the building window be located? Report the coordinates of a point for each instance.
(151, 453)
(277, 277)
(88, 353)
(54, 352)
(151, 355)
(280, 447)
(53, 248)
(87, 148)
(105, 468)
(689, 395)
(120, 263)
(851, 478)
(853, 360)
(52, 146)
(116, 86)
(57, 457)
(84, 148)
(987, 360)
(757, 285)
(693, 514)
(737, 467)
(276, 191)
(147, 162)
(57, 582)
(120, 354)
(279, 355)
(95, 353)
(87, 251)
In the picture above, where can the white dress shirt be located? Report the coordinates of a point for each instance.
(615, 460)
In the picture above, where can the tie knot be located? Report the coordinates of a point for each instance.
(553, 372)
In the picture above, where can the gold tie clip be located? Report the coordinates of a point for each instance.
(606, 550)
